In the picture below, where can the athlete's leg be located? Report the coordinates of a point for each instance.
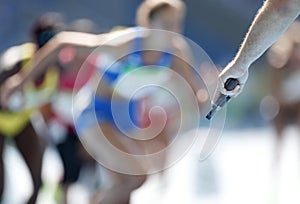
(32, 149)
(71, 162)
(121, 184)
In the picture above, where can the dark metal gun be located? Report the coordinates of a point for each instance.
(222, 99)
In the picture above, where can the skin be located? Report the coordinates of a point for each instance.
(84, 43)
(17, 74)
(271, 21)
(27, 142)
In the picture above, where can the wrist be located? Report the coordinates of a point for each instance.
(240, 66)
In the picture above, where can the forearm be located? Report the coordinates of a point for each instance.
(271, 21)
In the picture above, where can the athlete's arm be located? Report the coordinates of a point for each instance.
(84, 43)
(271, 21)
(48, 54)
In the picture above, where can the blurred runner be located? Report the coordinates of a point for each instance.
(16, 124)
(155, 14)
(284, 59)
(60, 121)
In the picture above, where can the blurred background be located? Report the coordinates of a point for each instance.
(243, 169)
